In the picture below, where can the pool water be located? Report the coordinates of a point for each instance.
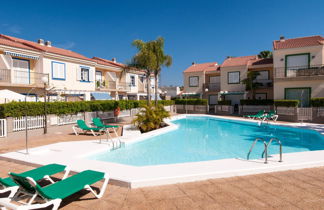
(208, 138)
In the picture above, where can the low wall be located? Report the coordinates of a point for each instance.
(253, 109)
(192, 109)
(224, 109)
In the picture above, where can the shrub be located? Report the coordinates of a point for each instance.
(317, 102)
(18, 109)
(150, 118)
(228, 102)
(256, 102)
(286, 103)
(191, 101)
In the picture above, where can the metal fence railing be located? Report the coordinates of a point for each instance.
(299, 71)
(3, 127)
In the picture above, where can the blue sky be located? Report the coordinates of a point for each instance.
(200, 31)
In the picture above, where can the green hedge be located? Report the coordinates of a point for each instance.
(228, 102)
(317, 102)
(191, 101)
(18, 109)
(256, 102)
(286, 103)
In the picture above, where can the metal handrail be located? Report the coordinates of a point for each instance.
(280, 147)
(265, 149)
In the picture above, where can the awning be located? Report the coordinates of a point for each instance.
(21, 55)
(101, 96)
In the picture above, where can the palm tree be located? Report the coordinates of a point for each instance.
(145, 60)
(265, 54)
(162, 60)
(250, 82)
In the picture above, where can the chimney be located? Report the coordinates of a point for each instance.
(193, 63)
(48, 43)
(282, 38)
(114, 60)
(41, 42)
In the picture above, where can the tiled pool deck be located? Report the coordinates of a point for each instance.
(299, 189)
(294, 189)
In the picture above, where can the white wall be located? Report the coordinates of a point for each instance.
(71, 82)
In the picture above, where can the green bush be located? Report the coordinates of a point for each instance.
(150, 117)
(256, 102)
(317, 102)
(286, 103)
(18, 109)
(228, 102)
(191, 101)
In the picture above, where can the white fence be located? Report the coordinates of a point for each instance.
(69, 119)
(224, 108)
(320, 112)
(304, 114)
(3, 127)
(19, 123)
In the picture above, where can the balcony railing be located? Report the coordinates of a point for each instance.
(123, 86)
(106, 84)
(212, 86)
(299, 71)
(21, 77)
(264, 83)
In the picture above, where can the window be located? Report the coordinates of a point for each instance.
(296, 62)
(302, 94)
(21, 71)
(98, 76)
(142, 78)
(233, 77)
(84, 74)
(263, 75)
(194, 81)
(132, 81)
(58, 70)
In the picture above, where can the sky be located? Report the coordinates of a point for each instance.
(194, 31)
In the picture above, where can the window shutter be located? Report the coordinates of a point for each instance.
(91, 74)
(78, 73)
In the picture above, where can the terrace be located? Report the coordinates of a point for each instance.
(299, 72)
(10, 77)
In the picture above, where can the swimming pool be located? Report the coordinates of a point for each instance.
(209, 138)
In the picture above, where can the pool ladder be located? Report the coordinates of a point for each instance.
(266, 147)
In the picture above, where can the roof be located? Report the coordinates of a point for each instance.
(261, 61)
(106, 62)
(298, 42)
(238, 61)
(212, 66)
(21, 43)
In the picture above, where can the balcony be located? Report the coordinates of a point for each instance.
(264, 83)
(21, 78)
(106, 85)
(212, 87)
(123, 86)
(299, 72)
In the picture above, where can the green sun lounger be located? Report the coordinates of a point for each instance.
(43, 172)
(97, 122)
(259, 115)
(85, 128)
(54, 193)
(271, 116)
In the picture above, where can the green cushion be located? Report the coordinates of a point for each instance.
(97, 122)
(84, 126)
(70, 185)
(37, 174)
(7, 182)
